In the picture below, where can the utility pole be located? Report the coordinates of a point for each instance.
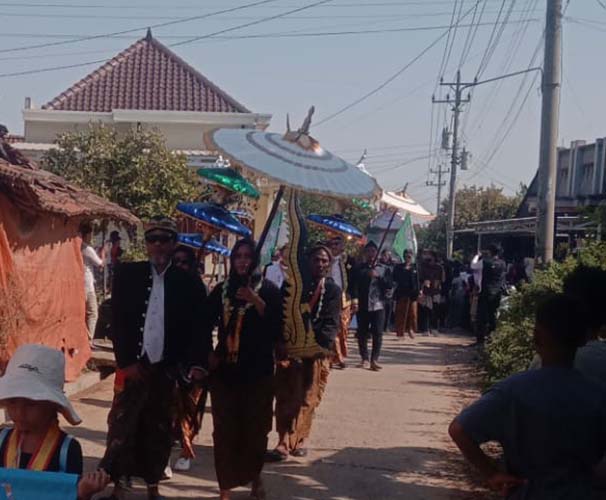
(439, 184)
(549, 133)
(457, 107)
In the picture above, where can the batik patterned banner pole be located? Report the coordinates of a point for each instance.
(268, 249)
(299, 335)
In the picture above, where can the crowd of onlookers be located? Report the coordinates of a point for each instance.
(429, 293)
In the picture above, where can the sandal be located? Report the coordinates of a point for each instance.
(299, 452)
(275, 456)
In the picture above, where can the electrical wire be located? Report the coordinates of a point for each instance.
(384, 84)
(253, 23)
(270, 18)
(496, 24)
(139, 29)
(471, 36)
(510, 56)
(498, 37)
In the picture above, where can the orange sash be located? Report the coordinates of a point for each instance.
(41, 458)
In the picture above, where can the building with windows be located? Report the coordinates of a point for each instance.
(581, 179)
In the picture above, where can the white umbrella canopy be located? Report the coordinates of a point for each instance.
(405, 203)
(294, 159)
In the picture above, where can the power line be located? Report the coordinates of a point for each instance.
(444, 55)
(471, 36)
(510, 57)
(508, 131)
(496, 24)
(123, 32)
(253, 23)
(287, 34)
(388, 17)
(384, 84)
(296, 34)
(29, 72)
(171, 6)
(498, 37)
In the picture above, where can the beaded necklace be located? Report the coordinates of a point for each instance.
(233, 337)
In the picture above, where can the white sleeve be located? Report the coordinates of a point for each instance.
(90, 254)
(476, 263)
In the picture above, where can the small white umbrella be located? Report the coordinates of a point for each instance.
(405, 203)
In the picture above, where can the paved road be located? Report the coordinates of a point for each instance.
(377, 435)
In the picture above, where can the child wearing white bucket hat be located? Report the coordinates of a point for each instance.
(31, 391)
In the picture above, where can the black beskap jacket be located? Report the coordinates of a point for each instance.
(185, 341)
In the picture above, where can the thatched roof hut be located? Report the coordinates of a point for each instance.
(41, 268)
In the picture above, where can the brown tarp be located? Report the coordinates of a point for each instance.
(41, 284)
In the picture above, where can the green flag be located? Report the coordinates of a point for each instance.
(405, 239)
(271, 241)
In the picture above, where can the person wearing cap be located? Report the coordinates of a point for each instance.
(340, 273)
(300, 383)
(31, 392)
(372, 281)
(157, 312)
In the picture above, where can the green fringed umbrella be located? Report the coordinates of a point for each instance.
(228, 178)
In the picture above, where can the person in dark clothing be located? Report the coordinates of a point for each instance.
(550, 422)
(300, 383)
(191, 397)
(372, 281)
(406, 282)
(157, 313)
(247, 310)
(493, 284)
(431, 277)
(386, 259)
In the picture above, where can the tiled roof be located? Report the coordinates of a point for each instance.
(145, 76)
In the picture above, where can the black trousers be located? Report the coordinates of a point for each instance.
(370, 324)
(389, 307)
(488, 306)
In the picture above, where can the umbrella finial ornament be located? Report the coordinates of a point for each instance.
(301, 137)
(362, 158)
(304, 130)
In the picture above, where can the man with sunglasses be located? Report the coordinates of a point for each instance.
(157, 311)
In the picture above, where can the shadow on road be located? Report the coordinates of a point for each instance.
(370, 474)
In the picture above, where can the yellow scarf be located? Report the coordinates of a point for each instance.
(41, 459)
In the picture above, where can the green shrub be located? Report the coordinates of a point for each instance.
(510, 348)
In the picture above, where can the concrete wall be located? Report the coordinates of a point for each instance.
(178, 136)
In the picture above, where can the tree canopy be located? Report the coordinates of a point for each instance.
(473, 204)
(135, 170)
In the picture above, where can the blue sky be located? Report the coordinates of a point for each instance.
(291, 72)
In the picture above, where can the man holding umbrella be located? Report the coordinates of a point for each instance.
(372, 281)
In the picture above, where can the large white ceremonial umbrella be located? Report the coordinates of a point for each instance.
(294, 159)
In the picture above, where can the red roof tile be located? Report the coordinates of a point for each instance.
(145, 76)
